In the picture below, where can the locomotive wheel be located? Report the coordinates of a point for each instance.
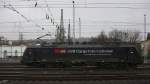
(79, 64)
(132, 66)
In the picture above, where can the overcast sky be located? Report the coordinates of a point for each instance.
(96, 16)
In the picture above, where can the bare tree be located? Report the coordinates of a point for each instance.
(124, 36)
(101, 38)
(117, 36)
(134, 36)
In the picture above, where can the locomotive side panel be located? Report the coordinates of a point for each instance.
(109, 54)
(37, 55)
(98, 54)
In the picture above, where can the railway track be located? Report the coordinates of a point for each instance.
(48, 75)
(76, 82)
(22, 72)
(73, 77)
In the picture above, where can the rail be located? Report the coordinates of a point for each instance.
(22, 72)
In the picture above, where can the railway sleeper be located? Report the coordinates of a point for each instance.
(112, 65)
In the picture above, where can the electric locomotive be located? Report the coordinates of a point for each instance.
(99, 55)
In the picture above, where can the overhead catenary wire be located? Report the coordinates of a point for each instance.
(85, 23)
(12, 8)
(32, 0)
(69, 1)
(30, 32)
(88, 5)
(9, 6)
(102, 7)
(80, 6)
(83, 3)
(97, 24)
(63, 4)
(52, 17)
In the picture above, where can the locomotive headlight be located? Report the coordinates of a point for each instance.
(131, 52)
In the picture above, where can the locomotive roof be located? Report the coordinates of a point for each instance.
(79, 46)
(95, 46)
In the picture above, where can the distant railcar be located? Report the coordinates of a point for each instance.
(98, 55)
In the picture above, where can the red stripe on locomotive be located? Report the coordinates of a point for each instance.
(59, 50)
